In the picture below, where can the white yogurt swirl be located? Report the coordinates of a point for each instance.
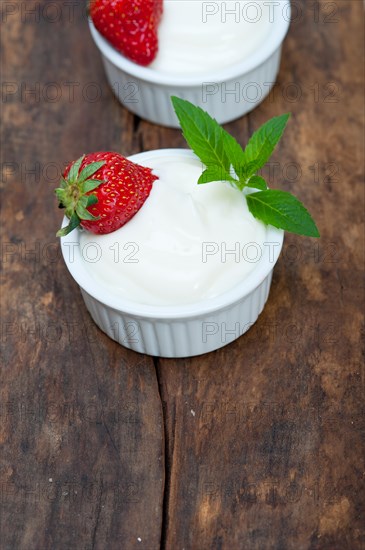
(188, 242)
(198, 36)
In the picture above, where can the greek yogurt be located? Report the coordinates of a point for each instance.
(187, 243)
(198, 36)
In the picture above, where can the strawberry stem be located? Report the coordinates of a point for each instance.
(73, 193)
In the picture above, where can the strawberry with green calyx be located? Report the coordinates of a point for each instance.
(103, 191)
(130, 26)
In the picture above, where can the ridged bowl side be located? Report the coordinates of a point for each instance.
(180, 337)
(225, 101)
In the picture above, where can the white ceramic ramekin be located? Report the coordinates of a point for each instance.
(181, 331)
(226, 94)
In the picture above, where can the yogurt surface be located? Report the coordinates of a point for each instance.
(187, 243)
(198, 36)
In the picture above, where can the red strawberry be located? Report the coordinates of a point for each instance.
(102, 191)
(130, 26)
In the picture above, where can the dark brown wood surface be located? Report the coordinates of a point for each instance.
(257, 446)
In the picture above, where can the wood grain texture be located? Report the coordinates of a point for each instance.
(82, 461)
(257, 446)
(264, 437)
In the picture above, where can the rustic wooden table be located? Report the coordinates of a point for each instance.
(253, 447)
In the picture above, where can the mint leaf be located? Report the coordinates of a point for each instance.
(215, 147)
(257, 182)
(219, 151)
(263, 142)
(282, 210)
(225, 160)
(205, 137)
(233, 150)
(212, 173)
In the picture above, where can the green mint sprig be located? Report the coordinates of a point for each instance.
(225, 160)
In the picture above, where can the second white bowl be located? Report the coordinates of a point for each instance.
(147, 92)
